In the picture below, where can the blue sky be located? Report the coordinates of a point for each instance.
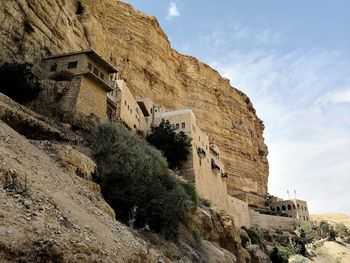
(292, 58)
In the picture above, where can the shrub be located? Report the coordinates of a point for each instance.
(254, 236)
(279, 256)
(18, 82)
(136, 182)
(341, 230)
(63, 75)
(305, 232)
(174, 146)
(296, 247)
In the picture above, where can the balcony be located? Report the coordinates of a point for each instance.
(214, 167)
(214, 153)
(201, 153)
(224, 175)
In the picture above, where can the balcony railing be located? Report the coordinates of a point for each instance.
(201, 153)
(215, 167)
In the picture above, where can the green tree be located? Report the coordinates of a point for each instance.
(175, 146)
(136, 182)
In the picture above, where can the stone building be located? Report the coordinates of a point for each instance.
(123, 106)
(80, 83)
(293, 208)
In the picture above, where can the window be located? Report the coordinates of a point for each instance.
(72, 64)
(89, 66)
(128, 107)
(53, 67)
(284, 207)
(95, 71)
(278, 208)
(125, 103)
(289, 207)
(294, 207)
(183, 125)
(177, 126)
(102, 76)
(298, 206)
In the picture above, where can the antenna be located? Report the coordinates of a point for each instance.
(288, 194)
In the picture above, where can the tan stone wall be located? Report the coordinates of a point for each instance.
(239, 210)
(92, 99)
(276, 222)
(62, 65)
(130, 112)
(209, 185)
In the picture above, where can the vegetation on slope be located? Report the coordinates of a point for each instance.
(136, 182)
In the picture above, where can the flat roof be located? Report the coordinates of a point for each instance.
(89, 52)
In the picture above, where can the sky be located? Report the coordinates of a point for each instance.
(292, 58)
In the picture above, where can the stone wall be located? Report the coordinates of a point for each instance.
(269, 221)
(239, 210)
(57, 99)
(92, 99)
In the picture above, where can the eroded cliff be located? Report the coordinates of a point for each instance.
(136, 44)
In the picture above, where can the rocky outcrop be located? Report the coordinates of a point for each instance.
(136, 44)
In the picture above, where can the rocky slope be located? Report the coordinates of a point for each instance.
(136, 44)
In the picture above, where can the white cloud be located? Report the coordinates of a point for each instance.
(173, 11)
(302, 96)
(337, 96)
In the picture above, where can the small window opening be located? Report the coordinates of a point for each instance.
(89, 66)
(102, 76)
(72, 64)
(95, 71)
(53, 67)
(183, 125)
(80, 8)
(177, 126)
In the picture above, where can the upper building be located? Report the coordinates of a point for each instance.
(293, 208)
(92, 75)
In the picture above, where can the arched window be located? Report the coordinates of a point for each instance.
(284, 207)
(294, 207)
(278, 208)
(289, 207)
(273, 209)
(298, 206)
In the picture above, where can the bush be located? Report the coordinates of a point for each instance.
(296, 247)
(63, 75)
(174, 146)
(136, 182)
(279, 256)
(253, 235)
(305, 232)
(341, 230)
(18, 82)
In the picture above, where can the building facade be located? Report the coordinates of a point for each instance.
(293, 208)
(93, 80)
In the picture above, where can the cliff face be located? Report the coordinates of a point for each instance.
(136, 44)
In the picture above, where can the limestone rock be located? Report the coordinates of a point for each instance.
(135, 43)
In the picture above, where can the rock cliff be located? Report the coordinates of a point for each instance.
(136, 44)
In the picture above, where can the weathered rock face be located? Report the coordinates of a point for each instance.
(136, 44)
